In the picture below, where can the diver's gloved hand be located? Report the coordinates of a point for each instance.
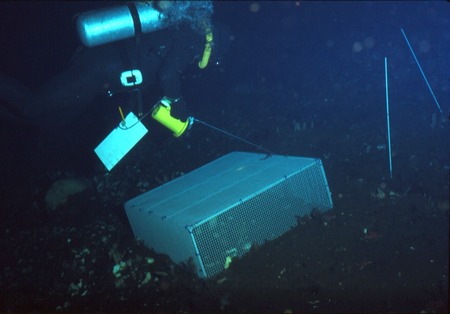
(179, 110)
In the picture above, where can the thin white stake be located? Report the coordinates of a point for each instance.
(421, 71)
(387, 116)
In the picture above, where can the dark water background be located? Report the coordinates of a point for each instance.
(319, 65)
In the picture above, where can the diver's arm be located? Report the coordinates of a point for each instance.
(170, 79)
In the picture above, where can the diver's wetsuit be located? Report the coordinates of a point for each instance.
(163, 56)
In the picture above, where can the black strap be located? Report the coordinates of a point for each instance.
(135, 16)
(137, 36)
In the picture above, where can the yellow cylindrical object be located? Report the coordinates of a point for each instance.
(162, 115)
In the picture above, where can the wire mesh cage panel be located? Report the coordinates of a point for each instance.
(218, 211)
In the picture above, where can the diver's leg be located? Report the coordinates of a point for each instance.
(13, 96)
(61, 99)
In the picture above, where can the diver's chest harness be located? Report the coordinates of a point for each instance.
(133, 78)
(132, 20)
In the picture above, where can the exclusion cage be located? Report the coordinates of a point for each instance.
(218, 211)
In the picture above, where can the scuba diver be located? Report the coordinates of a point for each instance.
(164, 38)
